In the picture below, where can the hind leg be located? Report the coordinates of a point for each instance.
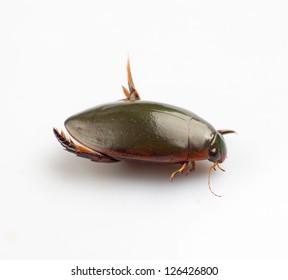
(80, 151)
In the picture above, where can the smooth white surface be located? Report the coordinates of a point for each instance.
(224, 60)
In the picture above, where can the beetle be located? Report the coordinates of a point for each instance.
(134, 130)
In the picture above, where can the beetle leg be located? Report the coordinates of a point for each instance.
(80, 151)
(180, 170)
(226, 131)
(126, 92)
(132, 94)
(192, 168)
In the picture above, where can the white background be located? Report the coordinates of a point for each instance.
(224, 60)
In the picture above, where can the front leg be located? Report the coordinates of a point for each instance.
(192, 168)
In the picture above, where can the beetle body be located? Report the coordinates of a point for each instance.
(144, 131)
(137, 130)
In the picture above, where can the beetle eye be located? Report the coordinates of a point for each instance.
(213, 155)
(213, 152)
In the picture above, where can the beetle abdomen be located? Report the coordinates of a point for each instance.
(136, 130)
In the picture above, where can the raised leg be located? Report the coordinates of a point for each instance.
(131, 94)
(80, 151)
(126, 92)
(180, 170)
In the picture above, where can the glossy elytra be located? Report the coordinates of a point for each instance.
(131, 129)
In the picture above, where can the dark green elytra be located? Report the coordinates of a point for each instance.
(142, 130)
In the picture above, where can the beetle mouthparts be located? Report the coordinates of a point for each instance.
(209, 175)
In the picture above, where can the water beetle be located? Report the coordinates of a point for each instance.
(131, 129)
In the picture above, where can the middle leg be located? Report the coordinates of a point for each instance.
(180, 170)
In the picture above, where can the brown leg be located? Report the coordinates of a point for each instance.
(226, 131)
(80, 151)
(126, 92)
(132, 94)
(180, 170)
(192, 168)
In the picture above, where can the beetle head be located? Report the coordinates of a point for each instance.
(217, 149)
